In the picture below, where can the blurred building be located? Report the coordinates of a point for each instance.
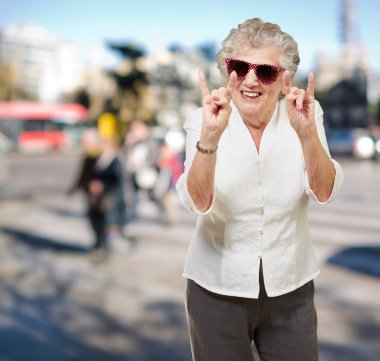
(99, 86)
(173, 82)
(352, 60)
(43, 66)
(160, 88)
(342, 81)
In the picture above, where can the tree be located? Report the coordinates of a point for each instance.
(132, 81)
(83, 97)
(5, 82)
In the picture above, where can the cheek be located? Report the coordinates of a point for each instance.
(279, 87)
(275, 92)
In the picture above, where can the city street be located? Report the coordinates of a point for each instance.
(57, 304)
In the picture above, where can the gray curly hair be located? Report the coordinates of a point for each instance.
(259, 34)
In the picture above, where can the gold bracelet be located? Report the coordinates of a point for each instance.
(206, 151)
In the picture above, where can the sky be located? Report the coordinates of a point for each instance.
(155, 24)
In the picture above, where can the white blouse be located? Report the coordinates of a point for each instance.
(259, 210)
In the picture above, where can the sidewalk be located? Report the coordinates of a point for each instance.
(57, 304)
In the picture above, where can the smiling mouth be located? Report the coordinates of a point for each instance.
(250, 94)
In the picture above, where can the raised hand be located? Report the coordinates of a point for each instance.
(216, 110)
(300, 105)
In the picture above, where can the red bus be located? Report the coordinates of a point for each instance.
(38, 127)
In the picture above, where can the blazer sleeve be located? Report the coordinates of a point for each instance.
(192, 128)
(339, 175)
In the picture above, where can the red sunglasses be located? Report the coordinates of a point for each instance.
(265, 73)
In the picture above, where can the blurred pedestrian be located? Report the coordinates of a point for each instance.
(251, 167)
(90, 143)
(170, 169)
(136, 158)
(107, 200)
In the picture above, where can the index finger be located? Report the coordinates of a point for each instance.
(203, 85)
(310, 84)
(286, 83)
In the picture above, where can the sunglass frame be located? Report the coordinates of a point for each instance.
(278, 70)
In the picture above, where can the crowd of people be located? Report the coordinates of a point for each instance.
(111, 177)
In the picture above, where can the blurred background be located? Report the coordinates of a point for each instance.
(93, 91)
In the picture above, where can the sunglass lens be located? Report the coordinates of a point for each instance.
(266, 73)
(240, 67)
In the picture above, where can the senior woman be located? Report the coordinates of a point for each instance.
(255, 154)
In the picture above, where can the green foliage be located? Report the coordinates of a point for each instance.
(127, 50)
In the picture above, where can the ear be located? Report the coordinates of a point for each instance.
(286, 82)
(281, 94)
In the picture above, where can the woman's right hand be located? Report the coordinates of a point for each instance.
(216, 110)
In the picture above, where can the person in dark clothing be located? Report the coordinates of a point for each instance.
(107, 209)
(91, 152)
(100, 178)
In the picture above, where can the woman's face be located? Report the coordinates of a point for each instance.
(254, 100)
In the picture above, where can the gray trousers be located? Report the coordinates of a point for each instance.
(283, 328)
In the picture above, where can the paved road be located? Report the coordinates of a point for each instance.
(57, 304)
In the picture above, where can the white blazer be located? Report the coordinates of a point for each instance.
(259, 209)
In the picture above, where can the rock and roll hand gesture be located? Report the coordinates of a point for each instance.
(216, 110)
(300, 105)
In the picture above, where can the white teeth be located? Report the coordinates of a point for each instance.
(251, 95)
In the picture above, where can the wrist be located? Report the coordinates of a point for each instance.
(309, 134)
(208, 151)
(309, 143)
(209, 141)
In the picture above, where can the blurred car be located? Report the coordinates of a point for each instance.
(356, 142)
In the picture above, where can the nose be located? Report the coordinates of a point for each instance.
(251, 79)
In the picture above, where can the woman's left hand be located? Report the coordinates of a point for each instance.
(300, 105)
